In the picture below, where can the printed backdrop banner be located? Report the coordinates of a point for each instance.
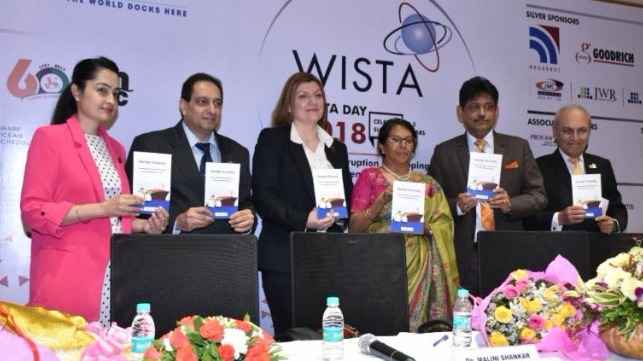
(377, 60)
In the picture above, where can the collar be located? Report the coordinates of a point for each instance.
(193, 139)
(471, 141)
(566, 157)
(324, 137)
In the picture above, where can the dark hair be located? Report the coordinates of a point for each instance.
(84, 71)
(385, 130)
(476, 86)
(281, 115)
(188, 84)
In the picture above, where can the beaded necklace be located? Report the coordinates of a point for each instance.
(398, 177)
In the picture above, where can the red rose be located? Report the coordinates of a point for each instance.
(226, 352)
(187, 321)
(259, 351)
(212, 330)
(186, 353)
(244, 326)
(152, 354)
(178, 339)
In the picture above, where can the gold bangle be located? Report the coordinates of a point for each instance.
(367, 214)
(78, 215)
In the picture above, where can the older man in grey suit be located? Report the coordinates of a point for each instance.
(520, 194)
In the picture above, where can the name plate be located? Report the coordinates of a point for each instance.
(510, 353)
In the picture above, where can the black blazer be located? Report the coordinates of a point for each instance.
(187, 187)
(558, 185)
(283, 192)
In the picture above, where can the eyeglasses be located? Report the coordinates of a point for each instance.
(396, 139)
(475, 107)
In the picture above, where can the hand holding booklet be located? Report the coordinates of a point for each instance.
(329, 193)
(586, 191)
(222, 188)
(407, 210)
(484, 174)
(151, 180)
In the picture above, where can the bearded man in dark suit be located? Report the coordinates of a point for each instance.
(571, 130)
(520, 193)
(200, 105)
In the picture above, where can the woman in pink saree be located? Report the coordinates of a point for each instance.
(432, 273)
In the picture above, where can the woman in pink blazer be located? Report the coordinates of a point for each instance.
(75, 195)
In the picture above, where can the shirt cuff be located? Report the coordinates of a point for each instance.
(175, 229)
(555, 227)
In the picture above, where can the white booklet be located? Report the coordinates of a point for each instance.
(329, 193)
(484, 174)
(407, 210)
(151, 180)
(222, 188)
(586, 191)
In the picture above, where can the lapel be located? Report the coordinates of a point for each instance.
(299, 156)
(85, 156)
(183, 158)
(462, 153)
(561, 172)
(224, 151)
(590, 161)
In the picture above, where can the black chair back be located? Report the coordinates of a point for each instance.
(367, 271)
(182, 275)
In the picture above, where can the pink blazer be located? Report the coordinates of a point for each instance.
(67, 262)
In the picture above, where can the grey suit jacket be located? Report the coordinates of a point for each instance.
(519, 176)
(187, 187)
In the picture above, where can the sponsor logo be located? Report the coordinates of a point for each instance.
(634, 98)
(549, 89)
(587, 54)
(583, 56)
(46, 81)
(597, 94)
(49, 81)
(545, 41)
(546, 140)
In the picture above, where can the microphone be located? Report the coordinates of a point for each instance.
(370, 345)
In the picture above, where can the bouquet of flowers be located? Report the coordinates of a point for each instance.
(542, 308)
(527, 307)
(215, 338)
(616, 293)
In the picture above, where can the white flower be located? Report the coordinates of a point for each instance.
(615, 277)
(237, 339)
(629, 286)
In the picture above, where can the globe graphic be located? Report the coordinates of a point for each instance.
(418, 34)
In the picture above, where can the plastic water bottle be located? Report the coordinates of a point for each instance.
(143, 331)
(333, 327)
(462, 320)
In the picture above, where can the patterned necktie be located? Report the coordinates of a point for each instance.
(486, 213)
(480, 143)
(577, 168)
(205, 148)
